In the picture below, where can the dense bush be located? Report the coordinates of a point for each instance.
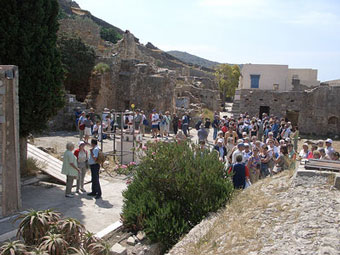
(174, 188)
(110, 34)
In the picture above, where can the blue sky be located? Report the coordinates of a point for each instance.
(300, 33)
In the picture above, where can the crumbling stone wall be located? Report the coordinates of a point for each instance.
(65, 118)
(10, 197)
(317, 110)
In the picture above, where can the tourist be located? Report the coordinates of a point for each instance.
(207, 125)
(304, 152)
(295, 137)
(138, 119)
(88, 125)
(238, 151)
(143, 124)
(162, 125)
(229, 145)
(77, 114)
(247, 153)
(222, 152)
(240, 173)
(202, 134)
(95, 167)
(282, 160)
(81, 125)
(219, 136)
(320, 144)
(95, 129)
(311, 153)
(215, 125)
(168, 121)
(92, 117)
(254, 166)
(70, 169)
(154, 123)
(260, 130)
(185, 124)
(175, 123)
(265, 158)
(329, 149)
(335, 156)
(291, 156)
(323, 154)
(285, 132)
(316, 154)
(232, 133)
(82, 161)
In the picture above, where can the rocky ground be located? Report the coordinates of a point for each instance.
(280, 215)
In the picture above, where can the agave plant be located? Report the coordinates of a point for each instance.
(35, 224)
(80, 251)
(38, 251)
(88, 239)
(13, 248)
(54, 244)
(72, 230)
(99, 248)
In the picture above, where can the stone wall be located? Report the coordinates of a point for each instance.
(315, 111)
(10, 197)
(65, 118)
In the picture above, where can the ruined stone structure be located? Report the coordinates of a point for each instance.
(10, 198)
(315, 111)
(150, 79)
(65, 118)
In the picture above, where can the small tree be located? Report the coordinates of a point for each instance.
(227, 77)
(78, 61)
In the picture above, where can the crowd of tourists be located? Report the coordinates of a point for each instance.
(254, 148)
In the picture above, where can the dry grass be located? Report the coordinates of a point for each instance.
(33, 167)
(239, 225)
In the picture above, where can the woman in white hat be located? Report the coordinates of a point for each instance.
(82, 161)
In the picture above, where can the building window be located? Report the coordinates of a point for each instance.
(333, 120)
(254, 81)
(276, 86)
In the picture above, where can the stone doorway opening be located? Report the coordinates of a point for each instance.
(293, 117)
(264, 109)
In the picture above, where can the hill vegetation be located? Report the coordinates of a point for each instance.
(192, 59)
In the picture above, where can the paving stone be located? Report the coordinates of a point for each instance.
(117, 249)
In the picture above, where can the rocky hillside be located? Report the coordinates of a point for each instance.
(192, 59)
(70, 8)
(280, 215)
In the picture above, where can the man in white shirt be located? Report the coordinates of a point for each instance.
(239, 151)
(329, 149)
(154, 123)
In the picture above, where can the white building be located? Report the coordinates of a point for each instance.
(276, 77)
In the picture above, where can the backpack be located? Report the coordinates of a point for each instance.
(101, 157)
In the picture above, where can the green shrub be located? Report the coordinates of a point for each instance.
(174, 188)
(110, 34)
(101, 68)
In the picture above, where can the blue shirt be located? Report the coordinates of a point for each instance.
(95, 154)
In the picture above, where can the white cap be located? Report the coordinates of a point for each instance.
(81, 143)
(220, 140)
(329, 140)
